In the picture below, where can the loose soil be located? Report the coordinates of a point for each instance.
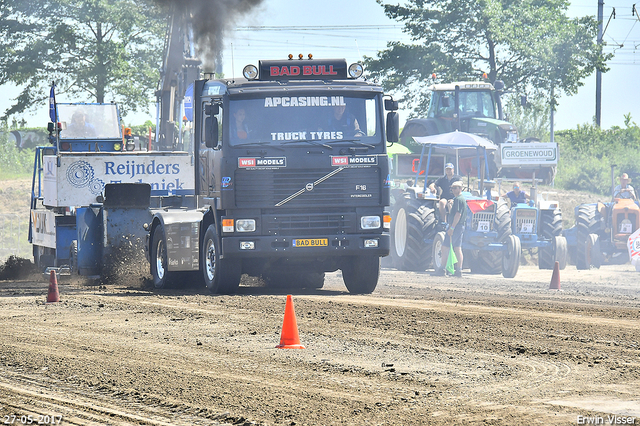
(421, 349)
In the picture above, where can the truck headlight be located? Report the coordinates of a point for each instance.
(245, 225)
(370, 222)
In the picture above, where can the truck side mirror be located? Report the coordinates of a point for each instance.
(498, 85)
(212, 109)
(211, 132)
(445, 102)
(393, 126)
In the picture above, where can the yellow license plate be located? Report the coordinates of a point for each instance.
(310, 242)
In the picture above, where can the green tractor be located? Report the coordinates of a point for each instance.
(473, 107)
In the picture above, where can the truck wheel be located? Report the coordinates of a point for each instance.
(511, 257)
(414, 223)
(550, 227)
(360, 274)
(221, 276)
(73, 257)
(162, 278)
(436, 254)
(586, 225)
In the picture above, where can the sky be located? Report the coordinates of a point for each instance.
(355, 28)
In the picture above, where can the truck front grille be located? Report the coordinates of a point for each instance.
(267, 188)
(306, 224)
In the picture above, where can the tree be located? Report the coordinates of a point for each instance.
(94, 50)
(529, 44)
(532, 120)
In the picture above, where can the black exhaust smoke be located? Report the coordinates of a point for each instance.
(210, 19)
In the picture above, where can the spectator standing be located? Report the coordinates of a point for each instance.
(453, 237)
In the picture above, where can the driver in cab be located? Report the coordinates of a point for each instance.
(345, 122)
(517, 196)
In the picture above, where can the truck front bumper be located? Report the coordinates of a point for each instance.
(268, 246)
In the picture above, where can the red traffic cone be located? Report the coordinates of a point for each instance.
(555, 278)
(289, 338)
(53, 295)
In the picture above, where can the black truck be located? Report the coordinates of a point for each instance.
(292, 180)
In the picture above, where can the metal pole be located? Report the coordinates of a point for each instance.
(598, 72)
(552, 108)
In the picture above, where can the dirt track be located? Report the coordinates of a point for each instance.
(420, 350)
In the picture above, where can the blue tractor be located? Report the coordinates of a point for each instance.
(538, 224)
(489, 244)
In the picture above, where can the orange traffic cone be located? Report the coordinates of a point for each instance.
(289, 338)
(53, 295)
(555, 278)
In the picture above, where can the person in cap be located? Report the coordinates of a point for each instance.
(453, 236)
(443, 185)
(517, 196)
(624, 190)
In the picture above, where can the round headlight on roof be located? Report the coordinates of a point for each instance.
(355, 70)
(250, 72)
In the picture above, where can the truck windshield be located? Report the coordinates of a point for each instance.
(306, 118)
(473, 103)
(89, 121)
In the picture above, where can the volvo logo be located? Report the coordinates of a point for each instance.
(309, 186)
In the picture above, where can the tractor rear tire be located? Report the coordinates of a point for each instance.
(587, 224)
(413, 223)
(550, 227)
(502, 222)
(487, 262)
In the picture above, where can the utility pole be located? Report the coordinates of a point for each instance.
(598, 72)
(552, 103)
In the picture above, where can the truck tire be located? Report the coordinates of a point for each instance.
(550, 227)
(586, 224)
(511, 257)
(414, 222)
(162, 278)
(221, 276)
(436, 253)
(360, 274)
